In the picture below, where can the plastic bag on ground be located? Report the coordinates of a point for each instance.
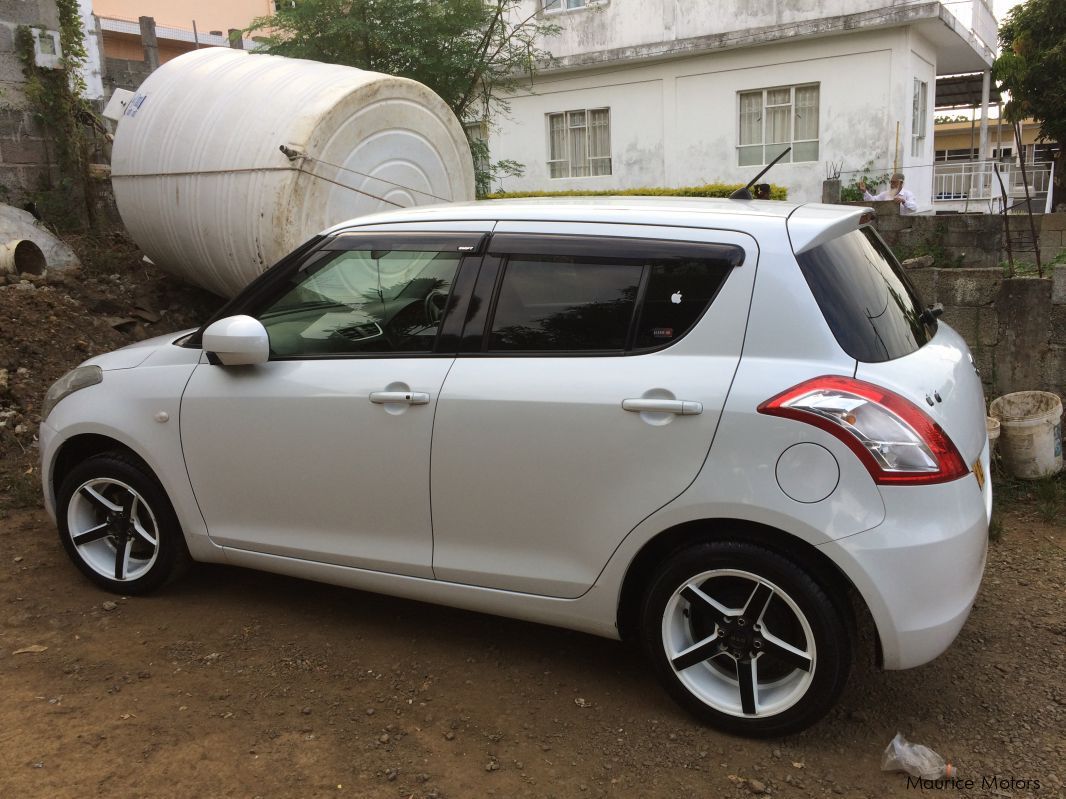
(915, 759)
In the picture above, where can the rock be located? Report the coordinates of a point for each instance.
(756, 787)
(921, 262)
(384, 738)
(580, 702)
(449, 736)
(145, 314)
(390, 774)
(32, 649)
(109, 606)
(306, 711)
(370, 711)
(492, 765)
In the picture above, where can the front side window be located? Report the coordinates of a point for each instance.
(358, 302)
(772, 119)
(579, 143)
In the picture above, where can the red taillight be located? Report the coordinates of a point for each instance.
(895, 440)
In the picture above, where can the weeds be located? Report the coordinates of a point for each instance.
(1046, 498)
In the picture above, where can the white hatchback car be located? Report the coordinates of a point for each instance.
(722, 428)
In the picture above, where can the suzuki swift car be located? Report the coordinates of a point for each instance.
(724, 429)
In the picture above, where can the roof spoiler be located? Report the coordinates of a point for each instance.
(745, 193)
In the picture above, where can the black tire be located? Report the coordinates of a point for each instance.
(788, 637)
(142, 538)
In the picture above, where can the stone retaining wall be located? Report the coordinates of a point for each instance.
(1015, 327)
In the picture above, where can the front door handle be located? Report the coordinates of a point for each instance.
(406, 397)
(680, 407)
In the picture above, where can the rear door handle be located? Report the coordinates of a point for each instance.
(407, 397)
(680, 407)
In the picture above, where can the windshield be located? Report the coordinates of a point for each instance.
(870, 305)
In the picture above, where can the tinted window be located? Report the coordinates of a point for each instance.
(362, 301)
(870, 306)
(677, 294)
(551, 303)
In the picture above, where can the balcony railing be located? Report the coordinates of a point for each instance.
(974, 186)
(977, 16)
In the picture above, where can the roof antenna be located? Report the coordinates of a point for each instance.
(745, 193)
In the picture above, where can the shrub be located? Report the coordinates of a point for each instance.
(708, 190)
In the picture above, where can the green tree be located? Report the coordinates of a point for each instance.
(473, 53)
(1031, 67)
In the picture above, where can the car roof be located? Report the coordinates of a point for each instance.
(636, 209)
(808, 222)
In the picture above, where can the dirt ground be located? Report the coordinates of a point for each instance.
(232, 683)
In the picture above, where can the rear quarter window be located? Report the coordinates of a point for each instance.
(873, 310)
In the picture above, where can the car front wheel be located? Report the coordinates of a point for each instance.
(117, 525)
(745, 639)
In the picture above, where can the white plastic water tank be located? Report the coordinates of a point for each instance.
(202, 184)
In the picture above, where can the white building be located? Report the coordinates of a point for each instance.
(675, 93)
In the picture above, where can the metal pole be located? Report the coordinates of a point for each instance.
(895, 153)
(1006, 222)
(1028, 202)
(195, 35)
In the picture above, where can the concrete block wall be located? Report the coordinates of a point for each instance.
(1015, 327)
(25, 156)
(1052, 235)
(970, 240)
(121, 73)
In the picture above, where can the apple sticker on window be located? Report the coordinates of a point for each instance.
(675, 298)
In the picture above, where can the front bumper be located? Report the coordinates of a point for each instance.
(49, 441)
(919, 570)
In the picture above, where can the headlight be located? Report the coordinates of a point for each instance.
(74, 380)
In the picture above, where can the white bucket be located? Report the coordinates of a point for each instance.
(992, 425)
(1031, 424)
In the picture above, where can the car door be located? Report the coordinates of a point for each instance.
(594, 367)
(322, 453)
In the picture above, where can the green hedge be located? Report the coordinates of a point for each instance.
(709, 190)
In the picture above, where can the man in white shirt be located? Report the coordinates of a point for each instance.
(895, 191)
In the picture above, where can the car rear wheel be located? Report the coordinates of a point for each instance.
(117, 525)
(745, 639)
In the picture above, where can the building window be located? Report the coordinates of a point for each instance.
(773, 119)
(918, 117)
(565, 5)
(960, 154)
(579, 143)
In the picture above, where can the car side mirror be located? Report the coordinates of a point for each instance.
(237, 341)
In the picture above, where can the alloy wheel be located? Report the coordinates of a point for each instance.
(739, 643)
(113, 529)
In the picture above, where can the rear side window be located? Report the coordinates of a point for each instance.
(867, 300)
(552, 303)
(571, 297)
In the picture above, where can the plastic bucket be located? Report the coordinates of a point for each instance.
(1031, 427)
(992, 425)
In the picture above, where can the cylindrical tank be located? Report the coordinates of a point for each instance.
(204, 188)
